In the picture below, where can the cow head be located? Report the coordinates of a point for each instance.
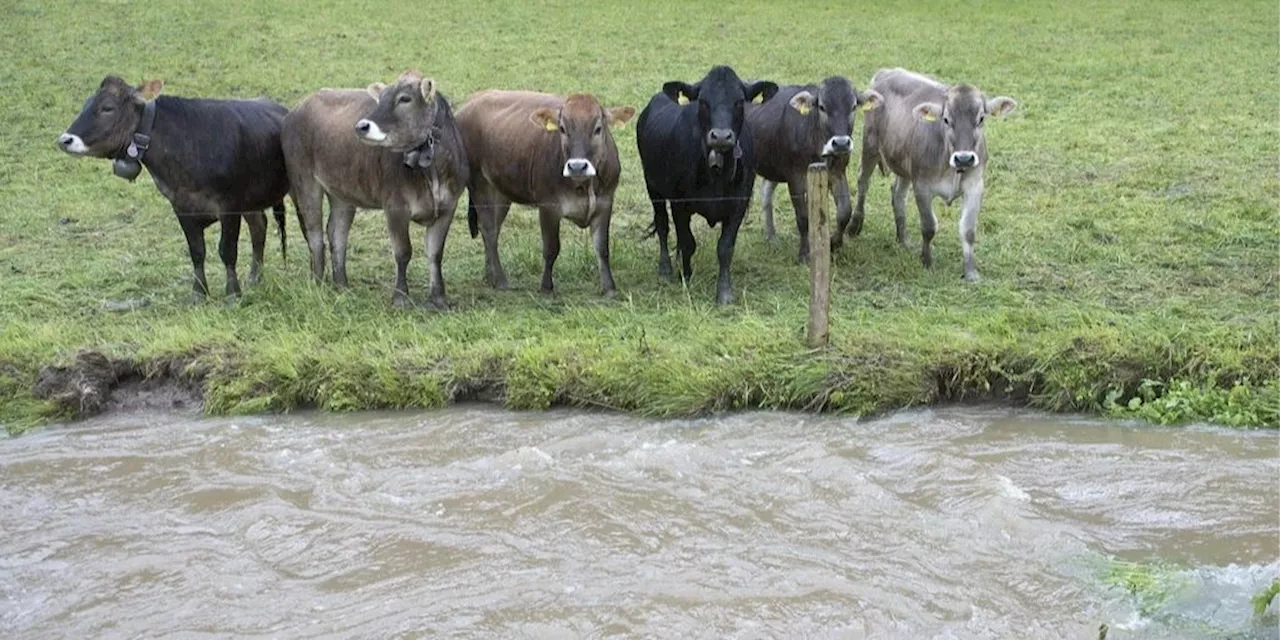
(721, 98)
(582, 125)
(836, 106)
(962, 117)
(109, 117)
(404, 116)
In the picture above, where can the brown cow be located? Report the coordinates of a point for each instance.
(394, 148)
(554, 153)
(931, 137)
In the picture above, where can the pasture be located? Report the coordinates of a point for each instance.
(1128, 240)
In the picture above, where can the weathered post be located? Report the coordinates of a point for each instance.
(819, 255)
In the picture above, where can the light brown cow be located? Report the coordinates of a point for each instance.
(930, 136)
(553, 153)
(394, 148)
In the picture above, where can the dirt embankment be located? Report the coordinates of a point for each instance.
(93, 384)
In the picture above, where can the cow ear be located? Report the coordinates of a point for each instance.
(150, 90)
(870, 100)
(928, 111)
(1000, 106)
(619, 116)
(764, 89)
(802, 102)
(428, 90)
(376, 89)
(675, 89)
(546, 119)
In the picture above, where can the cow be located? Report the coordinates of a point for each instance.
(395, 148)
(802, 125)
(930, 135)
(554, 153)
(213, 160)
(699, 158)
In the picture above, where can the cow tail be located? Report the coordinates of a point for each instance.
(278, 210)
(473, 218)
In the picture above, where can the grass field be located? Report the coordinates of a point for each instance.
(1128, 241)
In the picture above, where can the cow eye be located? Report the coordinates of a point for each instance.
(598, 130)
(946, 120)
(107, 109)
(822, 108)
(981, 119)
(405, 99)
(562, 129)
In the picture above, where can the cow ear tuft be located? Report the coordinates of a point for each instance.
(1001, 105)
(618, 116)
(763, 88)
(676, 89)
(870, 100)
(928, 111)
(376, 89)
(150, 90)
(802, 102)
(428, 89)
(546, 119)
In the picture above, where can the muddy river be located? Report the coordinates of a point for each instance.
(480, 523)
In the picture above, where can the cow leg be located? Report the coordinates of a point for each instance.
(308, 201)
(662, 228)
(767, 188)
(685, 244)
(402, 251)
(550, 223)
(257, 223)
(229, 250)
(435, 237)
(724, 253)
(492, 210)
(928, 225)
(600, 237)
(870, 159)
(341, 213)
(844, 211)
(900, 187)
(799, 201)
(969, 229)
(193, 229)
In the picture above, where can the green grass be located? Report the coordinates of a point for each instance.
(1128, 242)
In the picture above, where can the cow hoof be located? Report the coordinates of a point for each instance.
(550, 292)
(725, 299)
(611, 294)
(971, 276)
(402, 302)
(439, 304)
(802, 258)
(196, 298)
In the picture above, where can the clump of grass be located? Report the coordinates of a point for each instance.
(1263, 600)
(1128, 255)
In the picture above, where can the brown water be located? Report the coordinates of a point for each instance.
(489, 524)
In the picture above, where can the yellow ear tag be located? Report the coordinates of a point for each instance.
(804, 109)
(551, 126)
(868, 107)
(681, 99)
(929, 117)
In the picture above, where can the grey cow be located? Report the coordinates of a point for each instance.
(394, 148)
(930, 135)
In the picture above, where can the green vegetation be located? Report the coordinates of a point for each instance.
(1128, 243)
(1264, 599)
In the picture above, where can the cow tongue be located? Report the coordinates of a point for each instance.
(715, 159)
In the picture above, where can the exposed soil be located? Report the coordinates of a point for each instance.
(93, 384)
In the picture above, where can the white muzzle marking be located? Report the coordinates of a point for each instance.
(587, 171)
(374, 133)
(72, 144)
(836, 145)
(957, 166)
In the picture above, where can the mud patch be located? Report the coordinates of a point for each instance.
(93, 384)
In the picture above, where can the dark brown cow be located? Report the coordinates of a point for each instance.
(799, 126)
(930, 136)
(394, 148)
(553, 153)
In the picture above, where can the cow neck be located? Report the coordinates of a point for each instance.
(128, 163)
(420, 157)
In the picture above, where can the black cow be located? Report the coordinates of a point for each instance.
(698, 157)
(214, 160)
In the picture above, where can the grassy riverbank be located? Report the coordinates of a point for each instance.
(1128, 243)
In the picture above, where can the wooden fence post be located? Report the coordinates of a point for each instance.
(819, 255)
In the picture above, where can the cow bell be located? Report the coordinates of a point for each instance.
(127, 168)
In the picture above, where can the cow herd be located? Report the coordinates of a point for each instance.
(402, 148)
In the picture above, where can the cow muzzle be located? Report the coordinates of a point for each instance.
(964, 160)
(72, 144)
(579, 168)
(838, 146)
(721, 139)
(369, 131)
